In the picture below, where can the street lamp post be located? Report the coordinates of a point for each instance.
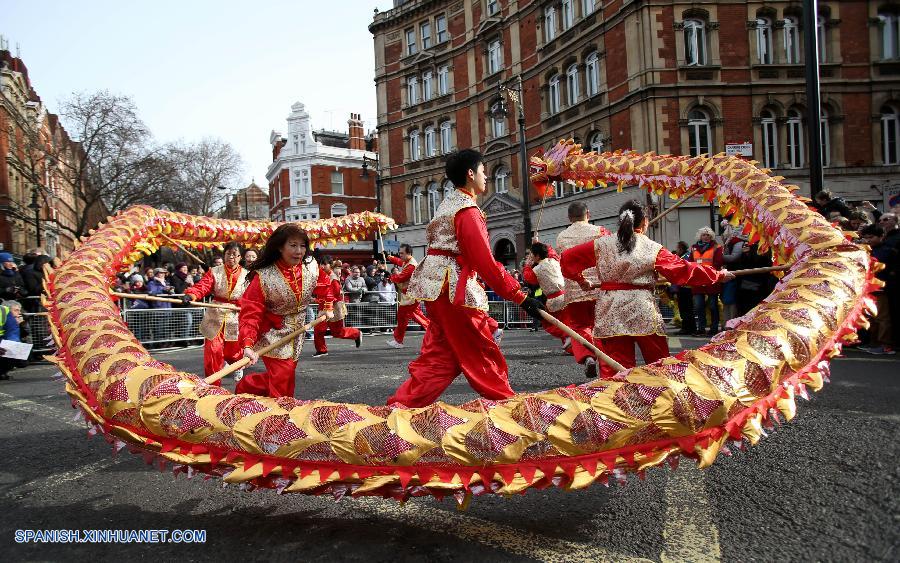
(516, 94)
(246, 207)
(813, 102)
(225, 190)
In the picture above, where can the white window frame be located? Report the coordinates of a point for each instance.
(411, 47)
(890, 129)
(443, 80)
(698, 126)
(572, 92)
(825, 132)
(764, 41)
(553, 95)
(446, 137)
(501, 180)
(414, 149)
(493, 7)
(769, 139)
(796, 156)
(498, 124)
(559, 189)
(595, 142)
(412, 90)
(890, 35)
(339, 210)
(427, 89)
(567, 9)
(337, 182)
(822, 35)
(695, 42)
(592, 74)
(494, 57)
(416, 205)
(429, 142)
(791, 34)
(549, 24)
(434, 199)
(425, 34)
(587, 8)
(447, 188)
(440, 28)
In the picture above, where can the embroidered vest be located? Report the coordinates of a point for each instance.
(551, 280)
(627, 311)
(281, 300)
(340, 306)
(429, 278)
(217, 320)
(575, 234)
(402, 298)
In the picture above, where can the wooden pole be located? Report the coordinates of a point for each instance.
(589, 345)
(280, 342)
(540, 216)
(226, 306)
(767, 270)
(678, 204)
(183, 249)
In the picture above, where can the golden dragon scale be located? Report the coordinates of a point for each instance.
(695, 404)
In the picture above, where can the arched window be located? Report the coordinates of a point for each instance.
(498, 121)
(338, 210)
(446, 138)
(501, 180)
(412, 90)
(694, 42)
(430, 149)
(592, 74)
(890, 132)
(417, 205)
(448, 188)
(595, 142)
(889, 23)
(796, 155)
(553, 94)
(764, 40)
(698, 132)
(826, 137)
(414, 153)
(434, 199)
(769, 139)
(572, 85)
(791, 40)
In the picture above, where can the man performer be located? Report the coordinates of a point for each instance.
(543, 270)
(336, 324)
(407, 308)
(220, 326)
(578, 312)
(459, 337)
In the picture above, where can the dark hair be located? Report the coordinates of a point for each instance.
(627, 223)
(681, 244)
(539, 249)
(271, 252)
(825, 194)
(459, 163)
(873, 230)
(406, 248)
(325, 259)
(233, 244)
(577, 211)
(41, 260)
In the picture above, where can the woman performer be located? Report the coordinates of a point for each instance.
(627, 266)
(219, 326)
(282, 282)
(336, 324)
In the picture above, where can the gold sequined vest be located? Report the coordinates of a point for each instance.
(575, 234)
(280, 300)
(551, 280)
(402, 298)
(217, 320)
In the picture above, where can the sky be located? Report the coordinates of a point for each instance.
(228, 69)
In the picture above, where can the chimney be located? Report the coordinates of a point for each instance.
(357, 141)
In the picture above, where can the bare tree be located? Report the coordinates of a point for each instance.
(203, 167)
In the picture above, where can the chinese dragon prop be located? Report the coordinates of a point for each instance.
(696, 404)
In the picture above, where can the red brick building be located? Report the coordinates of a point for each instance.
(247, 203)
(667, 76)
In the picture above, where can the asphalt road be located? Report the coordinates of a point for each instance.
(824, 487)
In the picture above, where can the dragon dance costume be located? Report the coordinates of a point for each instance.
(336, 326)
(273, 306)
(459, 337)
(220, 326)
(407, 307)
(627, 312)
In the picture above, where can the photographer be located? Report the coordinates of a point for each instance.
(11, 284)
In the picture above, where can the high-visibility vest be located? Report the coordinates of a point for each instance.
(705, 257)
(4, 311)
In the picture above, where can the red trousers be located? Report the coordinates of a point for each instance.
(579, 316)
(276, 381)
(405, 313)
(621, 348)
(458, 340)
(217, 351)
(338, 330)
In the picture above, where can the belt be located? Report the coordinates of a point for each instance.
(459, 298)
(617, 286)
(555, 294)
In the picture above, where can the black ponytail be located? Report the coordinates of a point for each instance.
(631, 215)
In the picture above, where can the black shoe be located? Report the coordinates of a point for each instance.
(319, 354)
(358, 340)
(590, 369)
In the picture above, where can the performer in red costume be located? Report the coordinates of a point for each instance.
(579, 309)
(459, 338)
(627, 267)
(282, 282)
(407, 308)
(220, 327)
(542, 269)
(336, 324)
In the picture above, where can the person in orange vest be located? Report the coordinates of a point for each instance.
(407, 308)
(627, 266)
(707, 251)
(336, 324)
(220, 327)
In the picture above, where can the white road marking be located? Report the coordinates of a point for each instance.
(689, 533)
(58, 479)
(31, 407)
